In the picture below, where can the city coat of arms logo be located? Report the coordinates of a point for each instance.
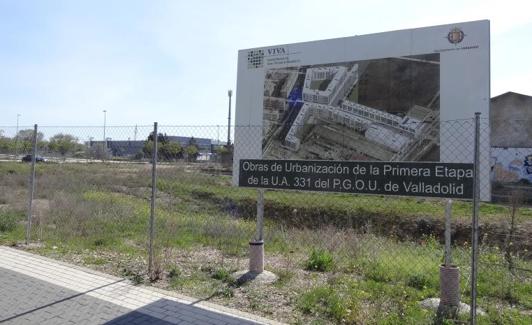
(455, 36)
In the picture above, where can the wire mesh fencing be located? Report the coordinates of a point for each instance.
(505, 267)
(86, 197)
(339, 257)
(15, 142)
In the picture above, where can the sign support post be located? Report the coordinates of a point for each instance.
(449, 274)
(256, 246)
(448, 209)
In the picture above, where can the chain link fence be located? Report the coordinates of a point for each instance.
(339, 257)
(15, 142)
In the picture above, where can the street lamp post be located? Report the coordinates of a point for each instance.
(16, 138)
(229, 93)
(104, 123)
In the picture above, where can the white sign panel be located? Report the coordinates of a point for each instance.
(407, 95)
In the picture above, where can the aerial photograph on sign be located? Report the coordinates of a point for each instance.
(382, 109)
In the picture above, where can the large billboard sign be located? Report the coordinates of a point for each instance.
(394, 96)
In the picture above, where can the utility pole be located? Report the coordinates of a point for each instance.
(104, 123)
(229, 93)
(16, 138)
(104, 143)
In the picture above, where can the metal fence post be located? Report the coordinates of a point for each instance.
(31, 188)
(474, 226)
(153, 194)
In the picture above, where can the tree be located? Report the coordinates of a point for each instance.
(42, 146)
(225, 155)
(161, 138)
(27, 135)
(166, 150)
(148, 148)
(6, 144)
(192, 150)
(170, 151)
(24, 140)
(63, 143)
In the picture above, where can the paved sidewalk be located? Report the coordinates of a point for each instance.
(38, 290)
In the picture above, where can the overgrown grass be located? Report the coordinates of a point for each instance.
(356, 302)
(102, 214)
(12, 227)
(8, 222)
(349, 301)
(218, 188)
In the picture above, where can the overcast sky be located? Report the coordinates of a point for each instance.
(64, 62)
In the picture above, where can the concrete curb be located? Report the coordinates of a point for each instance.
(110, 288)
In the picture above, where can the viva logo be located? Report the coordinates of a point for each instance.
(277, 51)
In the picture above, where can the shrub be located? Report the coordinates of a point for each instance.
(320, 260)
(285, 276)
(379, 272)
(226, 292)
(325, 300)
(8, 222)
(174, 272)
(222, 275)
(133, 276)
(99, 242)
(418, 281)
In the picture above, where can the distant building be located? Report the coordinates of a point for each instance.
(125, 148)
(288, 84)
(511, 120)
(412, 122)
(121, 148)
(375, 115)
(279, 83)
(324, 85)
(274, 108)
(292, 139)
(387, 137)
(511, 146)
(387, 129)
(203, 144)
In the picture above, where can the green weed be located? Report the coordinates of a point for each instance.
(94, 260)
(174, 273)
(223, 275)
(225, 291)
(134, 276)
(320, 260)
(328, 302)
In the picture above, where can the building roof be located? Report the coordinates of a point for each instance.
(184, 141)
(511, 94)
(511, 120)
(418, 113)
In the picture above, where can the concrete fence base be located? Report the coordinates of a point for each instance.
(256, 256)
(449, 286)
